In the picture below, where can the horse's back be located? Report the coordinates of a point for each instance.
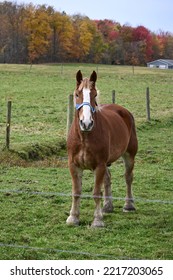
(117, 111)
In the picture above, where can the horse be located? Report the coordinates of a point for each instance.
(99, 135)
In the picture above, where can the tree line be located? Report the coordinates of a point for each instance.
(37, 34)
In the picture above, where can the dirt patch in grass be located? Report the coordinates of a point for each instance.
(38, 154)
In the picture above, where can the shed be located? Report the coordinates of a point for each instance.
(161, 63)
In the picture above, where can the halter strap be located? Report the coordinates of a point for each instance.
(78, 106)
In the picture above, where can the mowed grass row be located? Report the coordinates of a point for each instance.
(34, 224)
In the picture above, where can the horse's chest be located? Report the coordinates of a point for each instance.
(85, 158)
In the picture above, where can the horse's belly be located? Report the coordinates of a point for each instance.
(118, 148)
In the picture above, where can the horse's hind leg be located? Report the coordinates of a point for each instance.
(129, 165)
(108, 205)
(76, 174)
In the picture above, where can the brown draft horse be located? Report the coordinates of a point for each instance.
(99, 135)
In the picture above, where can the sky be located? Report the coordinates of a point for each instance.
(153, 14)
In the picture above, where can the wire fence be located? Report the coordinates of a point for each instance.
(52, 250)
(143, 200)
(73, 252)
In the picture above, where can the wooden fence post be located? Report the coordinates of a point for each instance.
(69, 113)
(62, 67)
(148, 103)
(113, 96)
(133, 69)
(8, 125)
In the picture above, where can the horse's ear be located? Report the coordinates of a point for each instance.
(79, 77)
(93, 77)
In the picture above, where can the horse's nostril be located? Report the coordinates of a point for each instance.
(82, 125)
(91, 124)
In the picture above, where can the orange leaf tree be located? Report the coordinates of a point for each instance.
(37, 24)
(62, 32)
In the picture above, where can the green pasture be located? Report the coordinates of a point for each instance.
(39, 96)
(35, 184)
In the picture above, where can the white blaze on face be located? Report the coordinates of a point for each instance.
(87, 117)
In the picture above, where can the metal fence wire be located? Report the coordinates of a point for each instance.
(84, 196)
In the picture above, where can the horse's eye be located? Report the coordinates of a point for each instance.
(77, 95)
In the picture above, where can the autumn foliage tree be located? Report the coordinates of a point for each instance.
(34, 34)
(62, 32)
(37, 24)
(12, 32)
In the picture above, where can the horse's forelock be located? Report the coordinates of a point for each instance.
(86, 83)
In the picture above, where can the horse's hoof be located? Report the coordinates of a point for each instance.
(97, 223)
(72, 221)
(108, 208)
(129, 208)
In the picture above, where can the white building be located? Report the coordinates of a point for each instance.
(161, 63)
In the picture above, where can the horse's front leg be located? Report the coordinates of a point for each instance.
(76, 174)
(99, 178)
(108, 205)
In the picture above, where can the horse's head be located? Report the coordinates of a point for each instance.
(85, 100)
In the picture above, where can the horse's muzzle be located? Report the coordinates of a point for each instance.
(86, 126)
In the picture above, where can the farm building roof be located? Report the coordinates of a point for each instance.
(168, 62)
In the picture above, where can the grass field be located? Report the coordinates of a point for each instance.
(35, 194)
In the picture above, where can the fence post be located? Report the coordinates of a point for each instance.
(8, 124)
(69, 113)
(113, 96)
(148, 103)
(133, 69)
(62, 69)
